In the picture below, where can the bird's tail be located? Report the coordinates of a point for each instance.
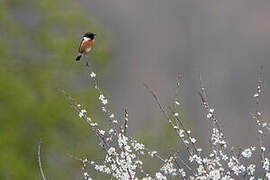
(78, 57)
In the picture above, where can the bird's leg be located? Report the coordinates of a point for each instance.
(85, 57)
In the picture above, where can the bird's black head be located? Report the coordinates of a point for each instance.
(90, 35)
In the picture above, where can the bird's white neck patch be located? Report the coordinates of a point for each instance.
(86, 38)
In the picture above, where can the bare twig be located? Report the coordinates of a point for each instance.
(258, 114)
(166, 114)
(176, 129)
(215, 124)
(39, 161)
(107, 110)
(126, 122)
(84, 169)
(74, 106)
(207, 108)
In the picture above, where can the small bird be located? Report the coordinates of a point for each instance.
(87, 44)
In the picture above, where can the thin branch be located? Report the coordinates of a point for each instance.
(166, 114)
(39, 161)
(258, 114)
(207, 108)
(74, 106)
(126, 122)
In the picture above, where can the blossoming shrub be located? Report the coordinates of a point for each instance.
(124, 155)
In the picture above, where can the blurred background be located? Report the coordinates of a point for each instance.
(138, 42)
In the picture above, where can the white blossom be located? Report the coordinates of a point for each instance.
(103, 99)
(168, 168)
(82, 113)
(93, 75)
(209, 115)
(182, 172)
(214, 174)
(160, 176)
(268, 175)
(253, 148)
(193, 140)
(112, 116)
(93, 124)
(251, 169)
(195, 158)
(256, 95)
(181, 133)
(266, 164)
(102, 132)
(111, 131)
(153, 153)
(247, 153)
(138, 146)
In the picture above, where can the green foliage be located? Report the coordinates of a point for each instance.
(38, 45)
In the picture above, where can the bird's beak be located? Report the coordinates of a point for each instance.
(95, 34)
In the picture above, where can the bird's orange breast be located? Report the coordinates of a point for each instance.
(87, 46)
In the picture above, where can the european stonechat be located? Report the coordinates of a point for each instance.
(87, 44)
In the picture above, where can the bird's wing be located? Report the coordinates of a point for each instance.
(80, 47)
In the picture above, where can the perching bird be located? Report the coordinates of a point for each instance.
(86, 45)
